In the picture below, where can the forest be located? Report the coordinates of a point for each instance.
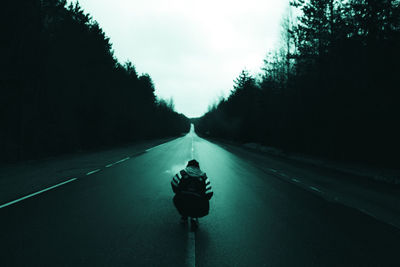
(63, 90)
(331, 89)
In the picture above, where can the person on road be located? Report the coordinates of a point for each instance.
(192, 192)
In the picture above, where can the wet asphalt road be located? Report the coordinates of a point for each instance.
(123, 216)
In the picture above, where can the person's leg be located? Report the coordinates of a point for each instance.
(180, 206)
(202, 207)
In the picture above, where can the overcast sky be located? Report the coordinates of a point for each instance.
(193, 50)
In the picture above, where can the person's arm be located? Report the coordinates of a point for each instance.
(176, 181)
(209, 192)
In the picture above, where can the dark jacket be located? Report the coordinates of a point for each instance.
(192, 180)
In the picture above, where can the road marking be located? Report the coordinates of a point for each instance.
(368, 213)
(295, 180)
(192, 148)
(282, 174)
(377, 218)
(119, 161)
(191, 247)
(191, 243)
(89, 173)
(272, 170)
(147, 150)
(122, 160)
(315, 189)
(34, 194)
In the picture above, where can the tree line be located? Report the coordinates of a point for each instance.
(63, 90)
(331, 89)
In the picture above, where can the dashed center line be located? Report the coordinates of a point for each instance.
(122, 160)
(295, 180)
(192, 148)
(191, 244)
(272, 170)
(191, 248)
(89, 173)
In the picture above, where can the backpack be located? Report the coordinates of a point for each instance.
(192, 184)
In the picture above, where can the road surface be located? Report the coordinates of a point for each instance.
(122, 215)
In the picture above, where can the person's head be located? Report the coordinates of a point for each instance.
(193, 163)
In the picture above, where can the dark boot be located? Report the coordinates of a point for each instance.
(184, 219)
(194, 223)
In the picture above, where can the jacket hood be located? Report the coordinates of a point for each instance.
(193, 171)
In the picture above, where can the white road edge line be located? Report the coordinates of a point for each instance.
(368, 213)
(119, 161)
(315, 189)
(89, 173)
(377, 218)
(34, 194)
(147, 150)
